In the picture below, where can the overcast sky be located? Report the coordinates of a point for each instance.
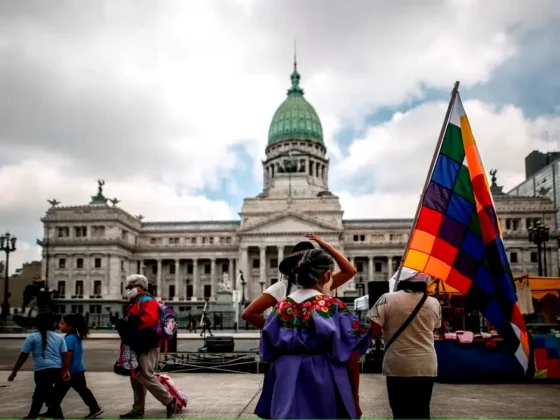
(170, 101)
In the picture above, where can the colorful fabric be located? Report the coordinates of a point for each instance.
(547, 355)
(457, 238)
(309, 345)
(173, 390)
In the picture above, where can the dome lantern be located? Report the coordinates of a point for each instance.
(295, 118)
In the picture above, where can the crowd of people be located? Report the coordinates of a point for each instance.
(310, 339)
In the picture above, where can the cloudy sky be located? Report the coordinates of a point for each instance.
(170, 101)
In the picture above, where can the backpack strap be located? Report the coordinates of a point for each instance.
(140, 301)
(408, 321)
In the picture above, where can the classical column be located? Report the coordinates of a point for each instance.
(231, 274)
(88, 286)
(114, 270)
(177, 281)
(44, 262)
(390, 267)
(213, 277)
(195, 278)
(159, 278)
(70, 266)
(106, 285)
(262, 265)
(142, 267)
(370, 269)
(280, 258)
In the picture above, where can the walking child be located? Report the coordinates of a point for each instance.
(51, 362)
(76, 329)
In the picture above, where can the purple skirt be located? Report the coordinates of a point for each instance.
(306, 387)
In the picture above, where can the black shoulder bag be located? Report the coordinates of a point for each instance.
(408, 321)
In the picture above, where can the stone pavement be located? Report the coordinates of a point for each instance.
(235, 396)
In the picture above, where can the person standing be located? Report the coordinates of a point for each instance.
(136, 331)
(51, 362)
(313, 343)
(407, 319)
(255, 313)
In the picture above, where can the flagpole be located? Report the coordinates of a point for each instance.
(454, 93)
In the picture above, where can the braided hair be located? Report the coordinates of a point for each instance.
(312, 265)
(44, 322)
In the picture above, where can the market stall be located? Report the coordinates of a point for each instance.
(468, 346)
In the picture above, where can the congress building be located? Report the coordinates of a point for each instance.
(89, 250)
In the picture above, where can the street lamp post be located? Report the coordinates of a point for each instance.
(243, 283)
(8, 245)
(540, 235)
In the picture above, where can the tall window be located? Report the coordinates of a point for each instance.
(79, 288)
(171, 268)
(97, 288)
(97, 263)
(189, 291)
(62, 263)
(207, 291)
(63, 232)
(80, 231)
(78, 308)
(171, 291)
(513, 257)
(207, 269)
(79, 263)
(61, 288)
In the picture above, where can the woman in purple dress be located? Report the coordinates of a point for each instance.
(313, 344)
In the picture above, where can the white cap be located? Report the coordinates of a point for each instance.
(407, 274)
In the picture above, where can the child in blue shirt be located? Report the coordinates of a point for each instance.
(76, 329)
(51, 362)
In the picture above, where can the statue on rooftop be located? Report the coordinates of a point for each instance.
(54, 202)
(99, 199)
(100, 184)
(493, 173)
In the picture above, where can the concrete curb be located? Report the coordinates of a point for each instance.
(114, 336)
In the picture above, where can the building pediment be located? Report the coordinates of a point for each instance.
(288, 223)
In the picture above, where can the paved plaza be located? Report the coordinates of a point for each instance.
(235, 396)
(101, 354)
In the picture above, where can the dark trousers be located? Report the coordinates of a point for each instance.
(410, 397)
(78, 383)
(45, 381)
(206, 328)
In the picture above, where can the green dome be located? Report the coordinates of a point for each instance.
(295, 118)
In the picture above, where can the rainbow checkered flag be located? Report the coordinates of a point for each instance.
(456, 235)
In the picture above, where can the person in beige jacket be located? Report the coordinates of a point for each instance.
(410, 361)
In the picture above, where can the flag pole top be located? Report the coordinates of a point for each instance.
(456, 86)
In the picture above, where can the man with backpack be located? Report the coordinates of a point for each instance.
(139, 331)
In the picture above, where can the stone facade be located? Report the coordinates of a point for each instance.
(18, 281)
(88, 251)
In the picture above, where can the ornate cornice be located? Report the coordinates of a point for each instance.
(282, 215)
(86, 242)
